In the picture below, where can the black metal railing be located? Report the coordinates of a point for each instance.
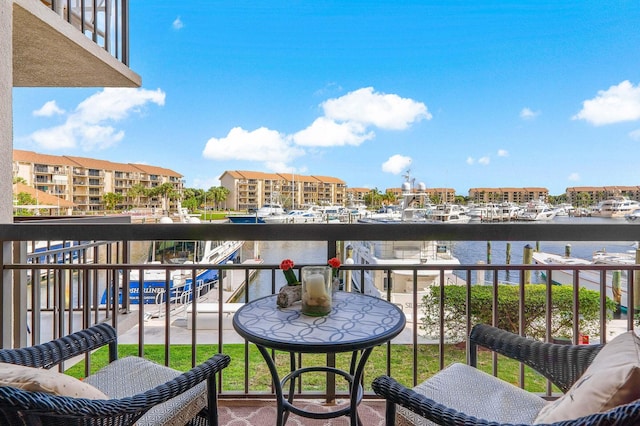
(106, 22)
(107, 259)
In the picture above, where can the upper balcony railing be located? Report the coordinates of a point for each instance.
(73, 281)
(106, 22)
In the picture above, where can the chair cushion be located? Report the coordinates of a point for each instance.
(132, 375)
(474, 392)
(41, 380)
(612, 379)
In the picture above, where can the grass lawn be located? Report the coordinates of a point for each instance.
(259, 379)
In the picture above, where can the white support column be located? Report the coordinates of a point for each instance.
(6, 162)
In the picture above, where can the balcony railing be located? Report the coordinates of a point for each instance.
(106, 22)
(69, 296)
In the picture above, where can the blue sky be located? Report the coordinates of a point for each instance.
(464, 93)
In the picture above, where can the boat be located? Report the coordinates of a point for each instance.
(449, 213)
(182, 284)
(296, 216)
(590, 279)
(565, 209)
(633, 217)
(615, 208)
(537, 211)
(400, 283)
(267, 210)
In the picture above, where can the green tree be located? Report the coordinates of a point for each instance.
(135, 192)
(167, 192)
(18, 179)
(583, 199)
(24, 199)
(373, 198)
(217, 194)
(112, 199)
(192, 198)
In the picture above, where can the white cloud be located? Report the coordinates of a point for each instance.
(396, 164)
(503, 153)
(617, 104)
(574, 177)
(48, 109)
(264, 145)
(528, 114)
(635, 135)
(177, 24)
(484, 161)
(384, 111)
(89, 126)
(326, 132)
(471, 160)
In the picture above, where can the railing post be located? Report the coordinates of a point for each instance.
(5, 296)
(20, 295)
(331, 358)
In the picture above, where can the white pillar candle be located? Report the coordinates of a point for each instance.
(315, 286)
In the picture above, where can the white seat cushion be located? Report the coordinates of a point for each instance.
(612, 379)
(49, 381)
(476, 393)
(132, 375)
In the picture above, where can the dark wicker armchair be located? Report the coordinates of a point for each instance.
(121, 380)
(561, 364)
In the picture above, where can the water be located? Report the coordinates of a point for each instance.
(468, 252)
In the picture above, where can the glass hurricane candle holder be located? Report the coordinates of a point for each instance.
(316, 290)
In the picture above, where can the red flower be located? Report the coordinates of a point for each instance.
(287, 269)
(286, 264)
(334, 262)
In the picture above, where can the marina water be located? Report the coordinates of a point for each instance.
(468, 252)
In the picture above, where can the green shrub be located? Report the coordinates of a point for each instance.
(508, 308)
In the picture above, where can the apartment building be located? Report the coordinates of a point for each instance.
(84, 181)
(590, 195)
(510, 195)
(249, 190)
(54, 43)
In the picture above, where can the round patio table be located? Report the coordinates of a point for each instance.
(357, 323)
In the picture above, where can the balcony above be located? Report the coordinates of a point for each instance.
(48, 51)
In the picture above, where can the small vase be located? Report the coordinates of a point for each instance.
(335, 285)
(316, 290)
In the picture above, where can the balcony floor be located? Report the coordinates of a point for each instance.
(263, 413)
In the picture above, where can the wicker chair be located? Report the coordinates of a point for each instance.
(561, 364)
(170, 392)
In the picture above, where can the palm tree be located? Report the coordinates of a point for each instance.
(112, 199)
(167, 192)
(135, 192)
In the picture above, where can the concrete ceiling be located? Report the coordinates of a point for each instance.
(50, 52)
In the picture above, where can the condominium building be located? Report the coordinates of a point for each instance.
(590, 195)
(85, 181)
(249, 190)
(54, 43)
(510, 195)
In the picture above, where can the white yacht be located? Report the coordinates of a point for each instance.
(400, 283)
(449, 213)
(537, 211)
(616, 207)
(633, 217)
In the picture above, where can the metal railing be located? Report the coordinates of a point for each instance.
(106, 22)
(72, 304)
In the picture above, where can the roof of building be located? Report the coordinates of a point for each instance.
(43, 198)
(89, 163)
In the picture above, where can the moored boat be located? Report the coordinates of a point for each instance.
(590, 278)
